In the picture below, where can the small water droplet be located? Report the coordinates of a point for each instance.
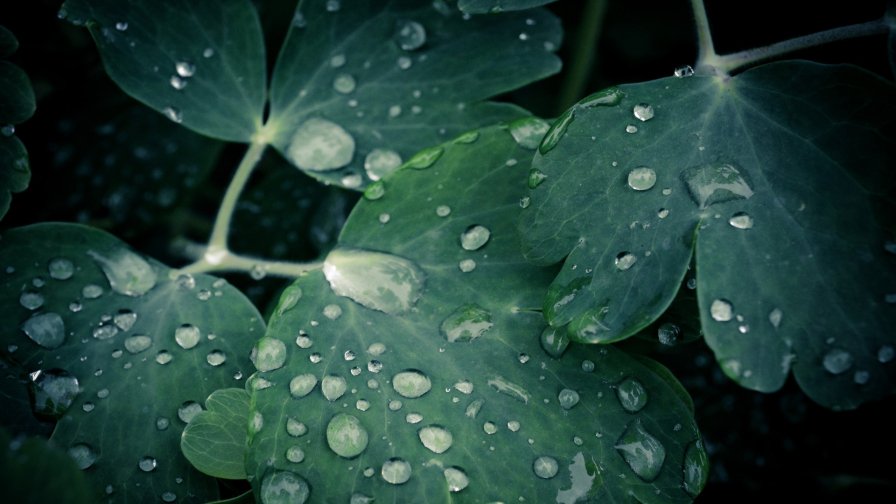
(163, 357)
(295, 454)
(861, 377)
(332, 311)
(396, 471)
(147, 464)
(320, 145)
(554, 341)
(31, 300)
(411, 383)
(456, 479)
(344, 83)
(545, 467)
(410, 35)
(643, 112)
(168, 496)
(404, 62)
(8, 130)
(683, 71)
(83, 454)
(208, 52)
(525, 201)
(474, 237)
(295, 428)
(631, 128)
(381, 162)
(741, 220)
(45, 329)
(215, 358)
(185, 68)
(268, 354)
(333, 387)
(384, 218)
(374, 366)
(284, 487)
(187, 336)
(642, 178)
(174, 114)
(346, 436)
(885, 354)
(837, 361)
(162, 423)
(435, 438)
(60, 268)
(489, 428)
(466, 265)
(425, 158)
(668, 334)
(376, 280)
(632, 395)
(625, 260)
(466, 323)
(643, 453)
(721, 310)
(302, 385)
(124, 319)
(177, 83)
(188, 410)
(536, 177)
(137, 343)
(568, 398)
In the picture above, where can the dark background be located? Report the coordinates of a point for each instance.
(777, 445)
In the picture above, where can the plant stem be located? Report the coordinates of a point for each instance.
(218, 239)
(734, 61)
(706, 52)
(228, 261)
(583, 57)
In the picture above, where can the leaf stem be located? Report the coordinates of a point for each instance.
(706, 51)
(583, 58)
(221, 229)
(734, 61)
(258, 268)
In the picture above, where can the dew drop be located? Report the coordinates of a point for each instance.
(466, 323)
(333, 387)
(885, 354)
(302, 385)
(425, 158)
(741, 220)
(163, 357)
(137, 343)
(435, 438)
(489, 428)
(124, 319)
(320, 145)
(187, 336)
(284, 487)
(45, 329)
(643, 453)
(625, 260)
(411, 383)
(554, 341)
(716, 183)
(466, 265)
(861, 377)
(295, 428)
(643, 112)
(837, 361)
(642, 178)
(381, 162)
(683, 71)
(376, 280)
(346, 436)
(456, 479)
(162, 423)
(295, 454)
(52, 391)
(410, 35)
(721, 310)
(662, 213)
(536, 177)
(396, 471)
(668, 334)
(83, 455)
(529, 131)
(215, 358)
(268, 354)
(695, 464)
(474, 237)
(60, 269)
(774, 317)
(632, 395)
(545, 467)
(344, 83)
(443, 210)
(147, 464)
(173, 114)
(568, 398)
(31, 300)
(332, 311)
(188, 410)
(464, 387)
(127, 272)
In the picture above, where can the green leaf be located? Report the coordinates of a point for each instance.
(16, 105)
(452, 389)
(778, 181)
(201, 63)
(121, 353)
(215, 440)
(32, 470)
(368, 85)
(17, 414)
(243, 498)
(495, 6)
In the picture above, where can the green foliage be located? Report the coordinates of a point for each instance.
(466, 333)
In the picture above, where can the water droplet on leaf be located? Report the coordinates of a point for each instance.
(284, 487)
(716, 183)
(61, 269)
(642, 178)
(632, 395)
(396, 471)
(529, 131)
(52, 391)
(376, 280)
(721, 310)
(127, 272)
(435, 438)
(346, 436)
(320, 145)
(410, 35)
(45, 329)
(466, 323)
(643, 112)
(837, 361)
(545, 467)
(474, 237)
(268, 354)
(643, 453)
(411, 383)
(302, 385)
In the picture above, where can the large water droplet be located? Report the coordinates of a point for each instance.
(554, 341)
(396, 471)
(716, 183)
(187, 336)
(741, 220)
(410, 35)
(52, 391)
(642, 178)
(456, 479)
(466, 323)
(474, 237)
(529, 131)
(147, 464)
(695, 464)
(411, 383)
(568, 398)
(188, 410)
(721, 310)
(31, 300)
(127, 272)
(333, 387)
(381, 162)
(346, 436)
(643, 453)
(625, 260)
(60, 268)
(216, 358)
(302, 385)
(284, 487)
(435, 438)
(295, 428)
(83, 454)
(46, 329)
(320, 145)
(137, 343)
(384, 282)
(268, 354)
(632, 395)
(508, 388)
(837, 361)
(643, 112)
(545, 467)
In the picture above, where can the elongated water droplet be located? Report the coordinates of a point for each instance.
(435, 438)
(721, 310)
(45, 329)
(643, 112)
(508, 388)
(396, 471)
(466, 323)
(381, 162)
(410, 35)
(632, 395)
(609, 97)
(775, 316)
(173, 114)
(554, 134)
(536, 177)
(716, 183)
(284, 487)
(346, 436)
(545, 467)
(52, 391)
(384, 282)
(625, 260)
(643, 453)
(554, 341)
(83, 454)
(474, 237)
(268, 354)
(529, 131)
(741, 220)
(837, 361)
(425, 158)
(456, 479)
(411, 383)
(60, 268)
(127, 272)
(333, 387)
(695, 464)
(642, 178)
(320, 145)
